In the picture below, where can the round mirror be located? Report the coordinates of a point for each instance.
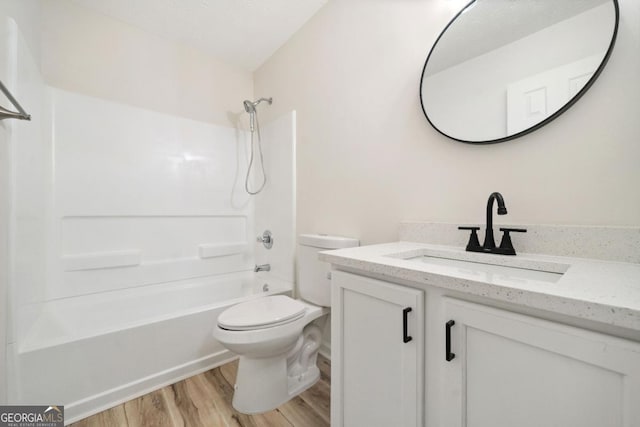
(503, 68)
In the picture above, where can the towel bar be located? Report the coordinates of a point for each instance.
(8, 114)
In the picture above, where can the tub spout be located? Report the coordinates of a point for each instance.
(262, 267)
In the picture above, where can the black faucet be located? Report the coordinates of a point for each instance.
(489, 246)
(489, 242)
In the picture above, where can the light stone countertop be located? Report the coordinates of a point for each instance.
(602, 291)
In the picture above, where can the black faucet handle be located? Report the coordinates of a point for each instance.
(515, 230)
(474, 243)
(506, 246)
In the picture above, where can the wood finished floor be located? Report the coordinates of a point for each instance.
(205, 400)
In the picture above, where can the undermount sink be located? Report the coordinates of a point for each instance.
(506, 268)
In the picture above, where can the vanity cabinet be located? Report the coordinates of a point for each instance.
(507, 369)
(377, 351)
(467, 364)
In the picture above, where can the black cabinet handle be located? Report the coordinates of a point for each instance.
(447, 328)
(405, 335)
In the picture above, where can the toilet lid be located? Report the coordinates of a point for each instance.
(261, 313)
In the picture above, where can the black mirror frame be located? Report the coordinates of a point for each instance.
(543, 122)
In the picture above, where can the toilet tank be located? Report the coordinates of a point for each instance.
(314, 280)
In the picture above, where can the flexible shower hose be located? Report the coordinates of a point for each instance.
(264, 175)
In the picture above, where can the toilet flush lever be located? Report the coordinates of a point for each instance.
(266, 239)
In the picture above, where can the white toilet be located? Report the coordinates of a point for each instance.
(278, 337)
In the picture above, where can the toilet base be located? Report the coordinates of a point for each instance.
(304, 381)
(263, 384)
(256, 391)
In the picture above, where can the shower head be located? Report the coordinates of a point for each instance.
(250, 107)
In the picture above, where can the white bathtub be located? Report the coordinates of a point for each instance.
(95, 351)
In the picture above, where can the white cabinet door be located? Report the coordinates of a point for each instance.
(511, 370)
(377, 363)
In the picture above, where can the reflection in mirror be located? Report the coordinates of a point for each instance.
(503, 68)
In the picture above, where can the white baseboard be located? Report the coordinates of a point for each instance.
(92, 405)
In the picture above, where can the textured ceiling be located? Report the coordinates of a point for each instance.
(241, 32)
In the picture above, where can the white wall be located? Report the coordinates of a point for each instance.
(83, 51)
(367, 158)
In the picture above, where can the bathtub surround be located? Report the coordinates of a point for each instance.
(124, 190)
(154, 225)
(4, 261)
(4, 253)
(25, 168)
(353, 75)
(113, 210)
(5, 224)
(28, 16)
(173, 184)
(276, 203)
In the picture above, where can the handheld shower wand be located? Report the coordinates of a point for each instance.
(254, 125)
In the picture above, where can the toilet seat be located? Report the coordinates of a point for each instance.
(261, 313)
